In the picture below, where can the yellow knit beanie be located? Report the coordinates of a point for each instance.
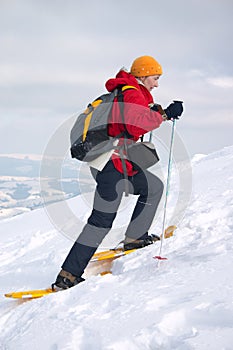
(144, 66)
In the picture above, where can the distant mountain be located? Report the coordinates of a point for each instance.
(20, 183)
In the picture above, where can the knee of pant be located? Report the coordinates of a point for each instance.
(160, 186)
(101, 219)
(157, 188)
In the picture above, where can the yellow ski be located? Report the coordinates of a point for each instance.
(30, 294)
(101, 263)
(110, 254)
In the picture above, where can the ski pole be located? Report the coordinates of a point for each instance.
(167, 188)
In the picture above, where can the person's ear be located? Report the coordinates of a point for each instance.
(142, 79)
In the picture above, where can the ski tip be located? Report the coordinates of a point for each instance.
(105, 273)
(169, 232)
(31, 294)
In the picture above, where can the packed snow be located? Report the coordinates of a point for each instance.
(183, 303)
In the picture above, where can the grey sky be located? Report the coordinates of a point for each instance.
(56, 56)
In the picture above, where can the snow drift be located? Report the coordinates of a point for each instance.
(185, 303)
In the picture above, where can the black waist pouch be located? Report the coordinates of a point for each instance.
(142, 154)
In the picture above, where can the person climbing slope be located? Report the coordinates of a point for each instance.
(140, 116)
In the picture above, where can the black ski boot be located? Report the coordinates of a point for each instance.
(129, 243)
(66, 280)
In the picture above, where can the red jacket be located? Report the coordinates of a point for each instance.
(138, 117)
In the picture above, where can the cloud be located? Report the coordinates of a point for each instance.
(56, 57)
(222, 82)
(36, 74)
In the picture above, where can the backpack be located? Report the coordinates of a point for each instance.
(89, 135)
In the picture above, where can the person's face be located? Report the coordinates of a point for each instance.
(151, 82)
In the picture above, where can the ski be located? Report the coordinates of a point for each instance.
(30, 294)
(100, 264)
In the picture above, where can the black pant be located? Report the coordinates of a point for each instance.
(108, 195)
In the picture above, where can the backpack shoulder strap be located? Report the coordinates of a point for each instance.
(120, 98)
(126, 87)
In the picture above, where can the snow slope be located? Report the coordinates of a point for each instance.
(185, 303)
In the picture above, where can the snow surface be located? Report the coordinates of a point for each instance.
(184, 303)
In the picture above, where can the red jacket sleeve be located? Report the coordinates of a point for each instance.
(138, 117)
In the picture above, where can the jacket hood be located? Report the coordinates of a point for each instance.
(122, 78)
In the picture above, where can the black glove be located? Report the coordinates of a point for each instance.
(174, 110)
(158, 108)
(155, 107)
